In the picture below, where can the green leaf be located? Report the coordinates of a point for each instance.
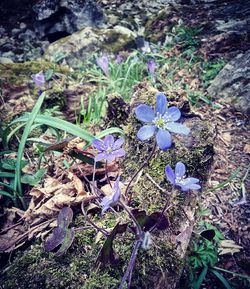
(4, 193)
(197, 284)
(33, 179)
(10, 164)
(26, 132)
(58, 57)
(59, 124)
(221, 278)
(6, 186)
(6, 175)
(48, 74)
(68, 127)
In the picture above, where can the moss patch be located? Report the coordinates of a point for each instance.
(79, 267)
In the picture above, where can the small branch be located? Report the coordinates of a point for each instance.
(154, 182)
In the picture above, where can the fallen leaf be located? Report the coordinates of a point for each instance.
(228, 247)
(78, 185)
(247, 149)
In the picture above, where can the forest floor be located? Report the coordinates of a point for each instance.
(224, 208)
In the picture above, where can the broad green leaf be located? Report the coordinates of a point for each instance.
(48, 74)
(33, 179)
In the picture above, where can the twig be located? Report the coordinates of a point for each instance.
(154, 182)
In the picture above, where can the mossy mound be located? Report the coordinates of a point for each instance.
(19, 93)
(20, 73)
(158, 267)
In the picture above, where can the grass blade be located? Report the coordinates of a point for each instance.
(4, 193)
(30, 120)
(68, 127)
(201, 278)
(6, 175)
(221, 278)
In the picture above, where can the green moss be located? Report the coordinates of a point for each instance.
(20, 73)
(157, 27)
(79, 267)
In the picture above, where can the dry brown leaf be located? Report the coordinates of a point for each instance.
(227, 137)
(83, 170)
(107, 190)
(247, 148)
(47, 200)
(229, 247)
(78, 184)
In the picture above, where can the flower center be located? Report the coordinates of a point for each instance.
(109, 150)
(159, 121)
(181, 180)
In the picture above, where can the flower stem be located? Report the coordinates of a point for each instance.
(138, 227)
(93, 178)
(138, 171)
(131, 264)
(106, 173)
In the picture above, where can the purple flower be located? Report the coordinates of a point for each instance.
(109, 149)
(39, 79)
(160, 121)
(151, 66)
(146, 47)
(119, 59)
(103, 63)
(177, 178)
(112, 200)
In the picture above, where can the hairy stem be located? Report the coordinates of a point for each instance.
(131, 264)
(138, 227)
(106, 173)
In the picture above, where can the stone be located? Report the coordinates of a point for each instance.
(233, 83)
(59, 18)
(22, 25)
(5, 60)
(2, 31)
(77, 46)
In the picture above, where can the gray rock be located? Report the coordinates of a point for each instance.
(9, 54)
(2, 31)
(28, 35)
(59, 18)
(5, 60)
(22, 25)
(77, 46)
(233, 83)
